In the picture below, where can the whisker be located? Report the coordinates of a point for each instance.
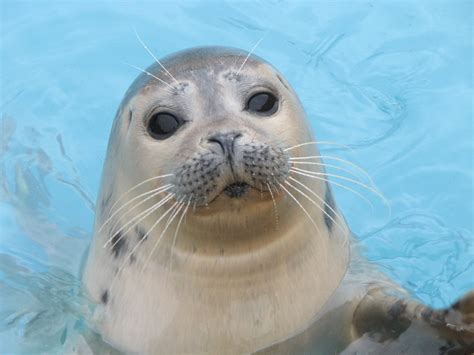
(330, 157)
(336, 184)
(176, 232)
(170, 219)
(251, 51)
(327, 166)
(156, 59)
(274, 206)
(137, 219)
(150, 74)
(139, 243)
(154, 193)
(319, 143)
(301, 206)
(324, 202)
(113, 229)
(135, 187)
(374, 191)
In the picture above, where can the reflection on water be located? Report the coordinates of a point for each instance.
(40, 309)
(390, 81)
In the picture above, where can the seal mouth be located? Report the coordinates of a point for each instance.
(236, 189)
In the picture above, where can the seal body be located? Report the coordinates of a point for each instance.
(207, 239)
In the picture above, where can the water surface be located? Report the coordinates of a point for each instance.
(391, 80)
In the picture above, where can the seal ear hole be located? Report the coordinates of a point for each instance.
(162, 125)
(262, 103)
(283, 82)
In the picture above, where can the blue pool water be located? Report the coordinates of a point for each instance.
(393, 81)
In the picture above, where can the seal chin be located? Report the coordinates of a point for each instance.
(237, 189)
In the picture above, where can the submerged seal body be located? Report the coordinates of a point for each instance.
(207, 238)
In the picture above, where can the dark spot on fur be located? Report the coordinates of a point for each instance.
(397, 309)
(329, 208)
(141, 234)
(118, 244)
(132, 259)
(105, 202)
(232, 76)
(426, 314)
(105, 297)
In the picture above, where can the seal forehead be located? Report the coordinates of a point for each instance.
(207, 57)
(215, 59)
(194, 60)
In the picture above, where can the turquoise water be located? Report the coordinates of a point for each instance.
(393, 81)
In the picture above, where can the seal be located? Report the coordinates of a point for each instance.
(210, 238)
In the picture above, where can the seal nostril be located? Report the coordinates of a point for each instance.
(225, 141)
(214, 140)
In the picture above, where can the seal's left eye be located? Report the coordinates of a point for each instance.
(263, 103)
(162, 125)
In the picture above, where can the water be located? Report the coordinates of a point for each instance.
(391, 80)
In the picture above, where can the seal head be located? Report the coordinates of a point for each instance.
(209, 237)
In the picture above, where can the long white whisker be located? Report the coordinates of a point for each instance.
(135, 187)
(251, 51)
(321, 200)
(374, 191)
(152, 208)
(274, 206)
(137, 219)
(160, 219)
(156, 59)
(176, 232)
(172, 217)
(141, 240)
(150, 74)
(153, 193)
(301, 206)
(319, 143)
(336, 184)
(329, 157)
(327, 166)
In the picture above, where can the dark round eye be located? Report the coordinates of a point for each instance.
(162, 125)
(263, 103)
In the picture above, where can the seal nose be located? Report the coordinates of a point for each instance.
(226, 141)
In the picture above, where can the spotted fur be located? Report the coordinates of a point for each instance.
(205, 174)
(119, 244)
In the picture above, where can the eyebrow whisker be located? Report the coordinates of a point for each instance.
(156, 59)
(150, 74)
(251, 51)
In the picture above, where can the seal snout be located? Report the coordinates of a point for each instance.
(231, 163)
(226, 141)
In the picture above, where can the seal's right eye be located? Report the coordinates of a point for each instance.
(162, 125)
